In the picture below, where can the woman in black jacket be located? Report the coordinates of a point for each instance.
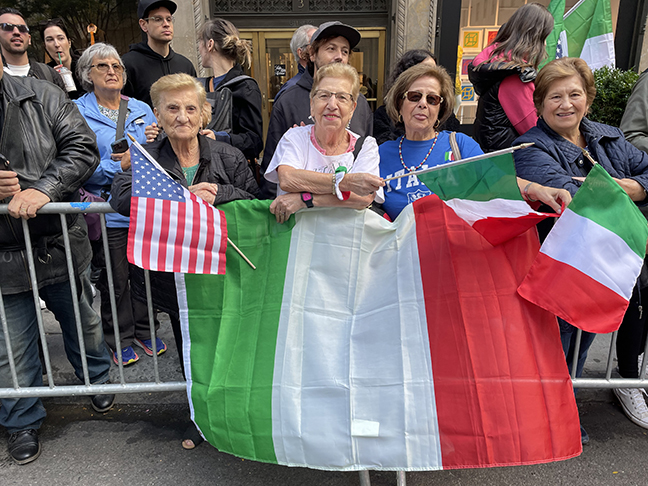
(222, 50)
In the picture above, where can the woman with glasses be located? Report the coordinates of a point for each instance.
(59, 48)
(325, 164)
(503, 76)
(225, 53)
(113, 117)
(420, 100)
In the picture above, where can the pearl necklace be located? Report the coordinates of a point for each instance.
(400, 153)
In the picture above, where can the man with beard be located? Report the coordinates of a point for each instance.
(148, 61)
(14, 41)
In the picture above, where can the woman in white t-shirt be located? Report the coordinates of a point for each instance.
(319, 164)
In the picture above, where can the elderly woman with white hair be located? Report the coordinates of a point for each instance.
(113, 117)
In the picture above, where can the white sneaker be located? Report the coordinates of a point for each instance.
(634, 405)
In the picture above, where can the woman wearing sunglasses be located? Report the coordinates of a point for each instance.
(102, 75)
(325, 164)
(503, 76)
(420, 100)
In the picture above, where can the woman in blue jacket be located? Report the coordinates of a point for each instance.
(113, 117)
(563, 95)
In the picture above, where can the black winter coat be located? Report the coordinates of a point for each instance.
(493, 129)
(52, 149)
(247, 129)
(553, 161)
(220, 163)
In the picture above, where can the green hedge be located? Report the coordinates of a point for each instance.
(613, 87)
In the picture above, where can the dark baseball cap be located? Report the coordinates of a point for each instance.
(337, 29)
(145, 6)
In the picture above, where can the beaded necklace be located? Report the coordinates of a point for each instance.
(400, 153)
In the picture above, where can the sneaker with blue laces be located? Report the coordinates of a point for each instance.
(129, 356)
(147, 346)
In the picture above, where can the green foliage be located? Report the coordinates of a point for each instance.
(613, 87)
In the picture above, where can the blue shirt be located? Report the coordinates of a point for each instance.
(401, 192)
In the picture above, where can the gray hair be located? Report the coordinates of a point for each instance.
(84, 64)
(300, 39)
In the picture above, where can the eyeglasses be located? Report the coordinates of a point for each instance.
(103, 68)
(415, 97)
(160, 20)
(324, 95)
(22, 28)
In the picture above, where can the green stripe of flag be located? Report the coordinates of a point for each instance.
(588, 18)
(238, 418)
(481, 180)
(623, 219)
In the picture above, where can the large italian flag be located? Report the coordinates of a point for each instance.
(485, 194)
(364, 344)
(590, 261)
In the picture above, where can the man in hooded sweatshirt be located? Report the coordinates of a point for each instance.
(148, 61)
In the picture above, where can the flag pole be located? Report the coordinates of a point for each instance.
(158, 166)
(464, 161)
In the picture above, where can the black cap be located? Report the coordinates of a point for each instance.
(145, 6)
(337, 29)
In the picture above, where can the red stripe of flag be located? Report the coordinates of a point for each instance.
(210, 237)
(195, 233)
(223, 243)
(499, 402)
(164, 234)
(132, 229)
(181, 209)
(590, 305)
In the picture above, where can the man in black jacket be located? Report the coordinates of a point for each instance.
(14, 41)
(50, 157)
(148, 61)
(331, 42)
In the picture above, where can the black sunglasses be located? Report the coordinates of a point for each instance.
(23, 29)
(415, 97)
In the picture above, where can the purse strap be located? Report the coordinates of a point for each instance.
(121, 118)
(454, 146)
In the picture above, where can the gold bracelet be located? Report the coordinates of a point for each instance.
(333, 184)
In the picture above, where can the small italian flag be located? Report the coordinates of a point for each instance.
(589, 263)
(364, 344)
(485, 194)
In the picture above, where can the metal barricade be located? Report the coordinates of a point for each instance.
(52, 389)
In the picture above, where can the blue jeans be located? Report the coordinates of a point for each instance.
(568, 340)
(29, 413)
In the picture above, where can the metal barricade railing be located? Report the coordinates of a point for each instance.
(155, 385)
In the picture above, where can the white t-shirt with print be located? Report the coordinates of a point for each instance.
(295, 149)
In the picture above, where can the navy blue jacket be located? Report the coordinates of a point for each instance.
(553, 161)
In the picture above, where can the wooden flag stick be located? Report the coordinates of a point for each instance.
(154, 162)
(241, 253)
(463, 161)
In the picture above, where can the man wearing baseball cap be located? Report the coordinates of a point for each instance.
(331, 42)
(148, 61)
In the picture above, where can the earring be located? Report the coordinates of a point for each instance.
(348, 124)
(310, 117)
(436, 124)
(400, 118)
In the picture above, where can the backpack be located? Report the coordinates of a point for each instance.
(221, 103)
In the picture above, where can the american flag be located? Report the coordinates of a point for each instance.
(171, 229)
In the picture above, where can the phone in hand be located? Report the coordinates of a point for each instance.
(119, 146)
(4, 163)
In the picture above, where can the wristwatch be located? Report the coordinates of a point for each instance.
(307, 197)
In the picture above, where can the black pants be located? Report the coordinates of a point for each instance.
(132, 315)
(631, 338)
